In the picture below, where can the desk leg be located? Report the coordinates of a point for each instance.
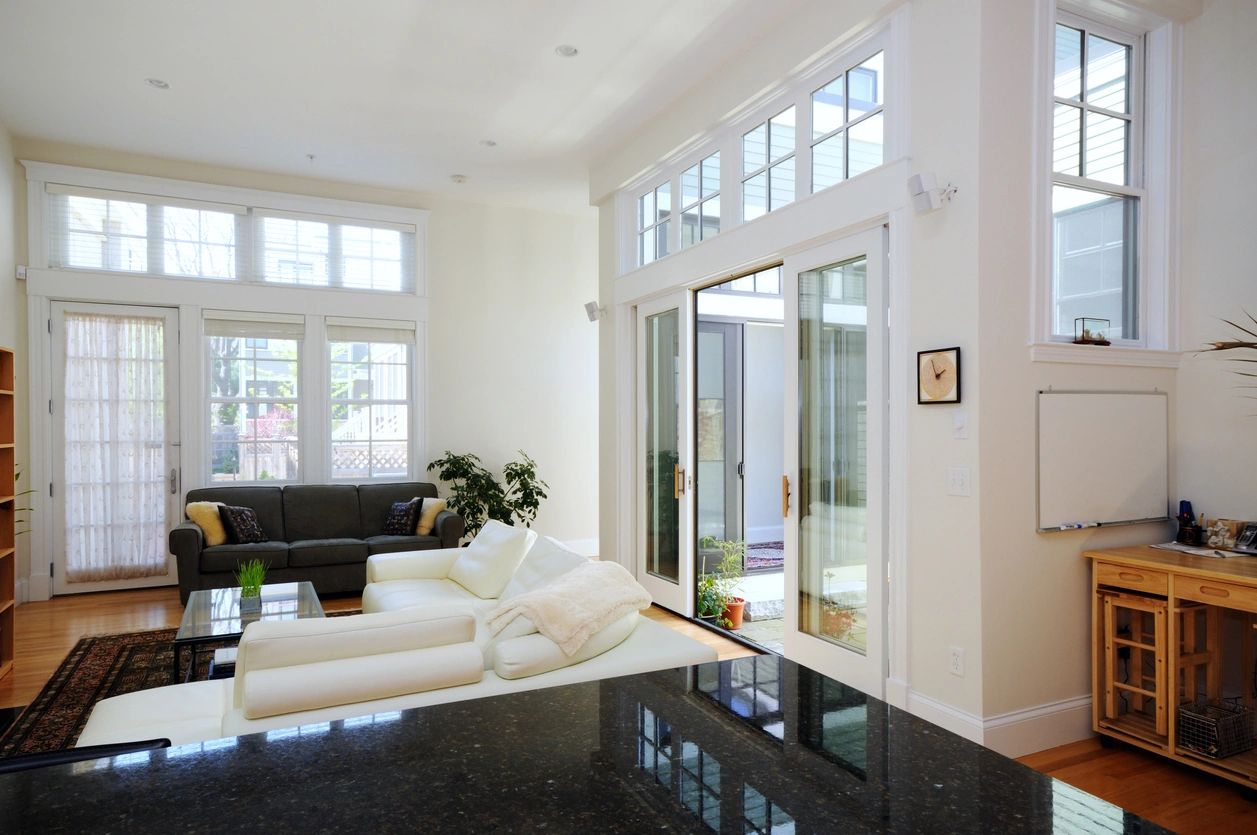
(175, 677)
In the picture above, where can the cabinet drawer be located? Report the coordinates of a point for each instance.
(1154, 582)
(1217, 594)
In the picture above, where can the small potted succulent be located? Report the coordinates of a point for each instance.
(251, 575)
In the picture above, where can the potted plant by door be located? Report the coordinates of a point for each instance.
(717, 600)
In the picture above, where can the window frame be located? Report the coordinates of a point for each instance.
(847, 124)
(701, 199)
(411, 404)
(652, 228)
(770, 163)
(1153, 152)
(184, 193)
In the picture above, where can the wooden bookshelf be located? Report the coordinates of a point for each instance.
(8, 510)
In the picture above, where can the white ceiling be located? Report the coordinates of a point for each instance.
(395, 93)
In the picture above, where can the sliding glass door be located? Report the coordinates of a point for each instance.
(832, 493)
(664, 562)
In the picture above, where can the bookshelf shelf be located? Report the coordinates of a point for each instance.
(8, 509)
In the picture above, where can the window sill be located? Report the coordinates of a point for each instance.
(1067, 352)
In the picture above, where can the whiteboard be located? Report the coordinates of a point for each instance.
(1103, 458)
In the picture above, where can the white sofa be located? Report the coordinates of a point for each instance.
(420, 641)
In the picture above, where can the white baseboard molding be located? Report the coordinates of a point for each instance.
(944, 715)
(1037, 728)
(897, 693)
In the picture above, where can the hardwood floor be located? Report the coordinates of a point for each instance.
(1164, 792)
(1172, 795)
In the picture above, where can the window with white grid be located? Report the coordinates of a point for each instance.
(654, 212)
(768, 165)
(848, 124)
(371, 400)
(700, 201)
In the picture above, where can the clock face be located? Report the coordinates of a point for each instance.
(939, 376)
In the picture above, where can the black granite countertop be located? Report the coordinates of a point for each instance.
(755, 744)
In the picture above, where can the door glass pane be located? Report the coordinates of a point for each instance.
(662, 450)
(712, 521)
(833, 477)
(115, 447)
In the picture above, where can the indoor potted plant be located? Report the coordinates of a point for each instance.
(251, 575)
(478, 496)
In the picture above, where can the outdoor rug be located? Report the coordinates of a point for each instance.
(97, 668)
(765, 556)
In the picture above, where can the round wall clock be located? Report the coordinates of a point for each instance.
(938, 376)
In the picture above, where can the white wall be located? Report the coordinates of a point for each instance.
(512, 359)
(12, 309)
(764, 419)
(1217, 450)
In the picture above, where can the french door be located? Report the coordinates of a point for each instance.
(834, 485)
(115, 490)
(665, 565)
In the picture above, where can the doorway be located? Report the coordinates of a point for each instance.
(740, 423)
(115, 489)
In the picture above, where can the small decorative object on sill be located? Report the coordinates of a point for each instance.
(1091, 331)
(251, 576)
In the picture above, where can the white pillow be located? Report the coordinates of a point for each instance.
(485, 566)
(546, 560)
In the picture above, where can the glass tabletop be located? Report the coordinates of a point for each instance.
(215, 613)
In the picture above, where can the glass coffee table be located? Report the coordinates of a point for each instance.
(213, 616)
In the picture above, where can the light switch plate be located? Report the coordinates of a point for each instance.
(960, 424)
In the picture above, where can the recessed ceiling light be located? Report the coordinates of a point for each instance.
(458, 178)
(566, 50)
(488, 143)
(158, 83)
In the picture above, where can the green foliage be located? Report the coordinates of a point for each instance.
(251, 575)
(716, 587)
(478, 496)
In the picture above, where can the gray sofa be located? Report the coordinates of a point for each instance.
(318, 532)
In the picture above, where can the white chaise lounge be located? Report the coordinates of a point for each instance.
(422, 640)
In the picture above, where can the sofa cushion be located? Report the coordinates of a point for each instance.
(266, 502)
(532, 655)
(402, 517)
(181, 713)
(308, 552)
(488, 563)
(241, 524)
(404, 594)
(385, 544)
(374, 500)
(546, 560)
(228, 557)
(206, 517)
(322, 511)
(427, 515)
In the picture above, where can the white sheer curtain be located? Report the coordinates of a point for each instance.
(115, 447)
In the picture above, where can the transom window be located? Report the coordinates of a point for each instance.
(654, 209)
(1097, 187)
(101, 230)
(848, 124)
(700, 201)
(768, 165)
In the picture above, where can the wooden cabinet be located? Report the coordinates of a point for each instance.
(8, 511)
(1170, 629)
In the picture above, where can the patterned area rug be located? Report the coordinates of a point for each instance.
(763, 556)
(97, 668)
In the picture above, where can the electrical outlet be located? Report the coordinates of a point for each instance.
(956, 662)
(958, 481)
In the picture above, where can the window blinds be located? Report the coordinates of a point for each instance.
(242, 325)
(103, 230)
(363, 330)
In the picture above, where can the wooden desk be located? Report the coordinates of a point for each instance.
(1170, 628)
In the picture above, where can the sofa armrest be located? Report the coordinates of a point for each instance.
(186, 543)
(450, 527)
(411, 565)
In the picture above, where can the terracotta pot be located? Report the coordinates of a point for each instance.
(733, 612)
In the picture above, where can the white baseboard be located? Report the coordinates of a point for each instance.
(897, 693)
(944, 715)
(1037, 728)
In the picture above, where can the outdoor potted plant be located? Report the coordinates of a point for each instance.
(717, 600)
(251, 575)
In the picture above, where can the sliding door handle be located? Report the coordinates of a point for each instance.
(678, 481)
(174, 481)
(785, 497)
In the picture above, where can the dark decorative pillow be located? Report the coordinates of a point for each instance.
(241, 524)
(402, 517)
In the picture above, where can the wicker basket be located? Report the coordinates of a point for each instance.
(1215, 729)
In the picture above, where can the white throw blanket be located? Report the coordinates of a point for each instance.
(576, 606)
